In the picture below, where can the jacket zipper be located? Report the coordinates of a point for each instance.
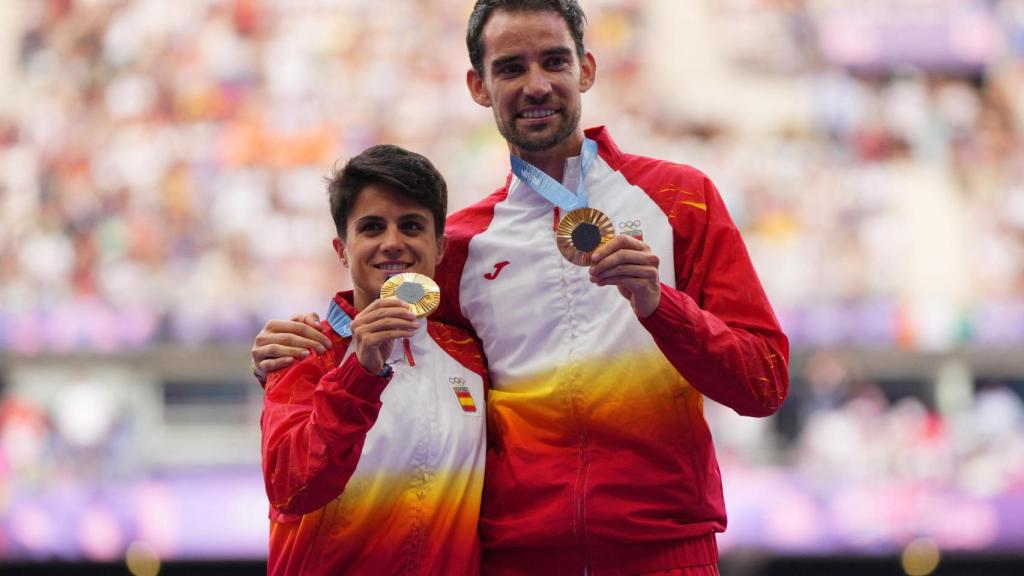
(580, 508)
(579, 492)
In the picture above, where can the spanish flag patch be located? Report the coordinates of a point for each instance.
(465, 398)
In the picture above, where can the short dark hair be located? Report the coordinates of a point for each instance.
(408, 173)
(569, 10)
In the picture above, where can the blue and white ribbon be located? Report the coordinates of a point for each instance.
(554, 191)
(339, 320)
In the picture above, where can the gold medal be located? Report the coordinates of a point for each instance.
(421, 293)
(581, 232)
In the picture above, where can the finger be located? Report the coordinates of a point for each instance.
(292, 341)
(639, 271)
(268, 366)
(386, 323)
(381, 339)
(277, 351)
(288, 327)
(384, 309)
(391, 304)
(312, 319)
(387, 335)
(621, 242)
(619, 247)
(610, 247)
(631, 283)
(625, 257)
(279, 331)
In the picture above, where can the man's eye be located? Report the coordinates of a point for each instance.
(370, 227)
(558, 62)
(412, 226)
(510, 69)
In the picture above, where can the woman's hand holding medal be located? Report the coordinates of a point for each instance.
(376, 328)
(631, 266)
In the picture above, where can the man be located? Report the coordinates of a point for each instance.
(373, 453)
(600, 460)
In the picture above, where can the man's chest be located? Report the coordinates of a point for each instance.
(526, 302)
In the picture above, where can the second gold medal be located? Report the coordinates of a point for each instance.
(421, 293)
(581, 232)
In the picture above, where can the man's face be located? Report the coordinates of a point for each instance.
(386, 234)
(532, 78)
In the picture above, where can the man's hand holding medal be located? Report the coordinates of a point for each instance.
(631, 266)
(586, 237)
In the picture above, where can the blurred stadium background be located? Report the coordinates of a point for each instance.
(161, 197)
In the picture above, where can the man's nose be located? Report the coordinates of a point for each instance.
(537, 84)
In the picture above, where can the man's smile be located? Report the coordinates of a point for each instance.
(537, 113)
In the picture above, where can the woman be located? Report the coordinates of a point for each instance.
(373, 450)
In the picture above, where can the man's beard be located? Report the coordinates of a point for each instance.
(524, 141)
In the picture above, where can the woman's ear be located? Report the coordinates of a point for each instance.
(442, 243)
(339, 249)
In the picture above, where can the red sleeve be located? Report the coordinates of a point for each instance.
(314, 423)
(720, 331)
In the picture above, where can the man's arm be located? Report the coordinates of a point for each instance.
(729, 345)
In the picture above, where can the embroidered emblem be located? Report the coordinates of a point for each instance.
(462, 393)
(497, 270)
(631, 227)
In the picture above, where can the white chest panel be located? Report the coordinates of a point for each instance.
(535, 311)
(422, 423)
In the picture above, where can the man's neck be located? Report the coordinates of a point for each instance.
(552, 160)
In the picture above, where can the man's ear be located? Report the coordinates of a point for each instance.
(588, 71)
(339, 249)
(477, 88)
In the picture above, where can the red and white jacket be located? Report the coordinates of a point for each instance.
(600, 459)
(368, 475)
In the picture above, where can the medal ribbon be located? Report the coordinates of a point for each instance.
(554, 191)
(339, 320)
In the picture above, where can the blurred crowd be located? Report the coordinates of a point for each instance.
(161, 177)
(162, 182)
(865, 464)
